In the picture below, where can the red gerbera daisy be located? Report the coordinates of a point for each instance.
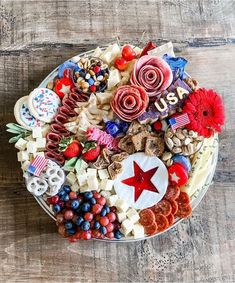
(206, 112)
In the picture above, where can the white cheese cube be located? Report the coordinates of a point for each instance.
(91, 172)
(121, 205)
(114, 78)
(121, 216)
(21, 144)
(138, 231)
(75, 187)
(106, 56)
(103, 174)
(97, 52)
(111, 52)
(112, 200)
(71, 178)
(106, 185)
(84, 189)
(31, 147)
(105, 194)
(37, 132)
(40, 153)
(127, 226)
(133, 215)
(82, 179)
(22, 156)
(41, 143)
(93, 183)
(25, 165)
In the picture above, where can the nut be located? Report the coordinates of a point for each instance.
(169, 162)
(169, 143)
(166, 156)
(176, 141)
(187, 141)
(177, 150)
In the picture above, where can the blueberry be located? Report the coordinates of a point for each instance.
(79, 220)
(103, 230)
(70, 231)
(96, 225)
(85, 225)
(61, 193)
(68, 225)
(56, 208)
(103, 212)
(88, 195)
(67, 189)
(92, 201)
(107, 208)
(74, 204)
(118, 234)
(86, 207)
(65, 197)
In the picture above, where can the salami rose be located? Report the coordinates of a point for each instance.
(153, 74)
(129, 102)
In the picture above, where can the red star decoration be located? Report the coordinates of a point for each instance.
(141, 181)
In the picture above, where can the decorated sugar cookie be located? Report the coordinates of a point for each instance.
(129, 144)
(43, 104)
(23, 115)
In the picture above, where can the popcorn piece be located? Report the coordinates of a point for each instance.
(127, 226)
(114, 78)
(75, 187)
(82, 179)
(21, 144)
(37, 132)
(105, 194)
(138, 231)
(133, 215)
(22, 156)
(121, 216)
(93, 183)
(91, 172)
(111, 201)
(31, 147)
(103, 174)
(121, 205)
(106, 185)
(41, 143)
(25, 165)
(71, 178)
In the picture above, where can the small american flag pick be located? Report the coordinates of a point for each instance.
(179, 121)
(37, 166)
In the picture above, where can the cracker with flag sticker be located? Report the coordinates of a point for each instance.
(38, 165)
(179, 121)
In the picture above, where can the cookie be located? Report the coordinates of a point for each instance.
(126, 144)
(154, 146)
(23, 115)
(43, 104)
(139, 140)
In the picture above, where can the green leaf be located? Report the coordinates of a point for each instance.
(70, 164)
(16, 127)
(15, 139)
(80, 165)
(13, 131)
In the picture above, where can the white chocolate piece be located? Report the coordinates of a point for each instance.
(75, 187)
(41, 143)
(103, 174)
(127, 226)
(121, 216)
(21, 144)
(37, 132)
(138, 231)
(82, 179)
(93, 183)
(22, 156)
(111, 201)
(106, 185)
(121, 205)
(133, 215)
(31, 147)
(91, 172)
(71, 178)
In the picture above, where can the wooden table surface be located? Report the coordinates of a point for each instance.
(36, 36)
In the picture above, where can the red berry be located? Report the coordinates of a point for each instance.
(128, 53)
(157, 125)
(120, 63)
(96, 208)
(110, 235)
(60, 203)
(68, 215)
(86, 235)
(78, 234)
(111, 216)
(101, 201)
(109, 227)
(96, 69)
(95, 233)
(96, 195)
(104, 221)
(72, 195)
(88, 216)
(92, 224)
(53, 200)
(92, 88)
(72, 239)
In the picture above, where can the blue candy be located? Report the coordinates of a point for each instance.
(96, 225)
(112, 128)
(61, 193)
(118, 235)
(124, 126)
(67, 189)
(70, 231)
(85, 225)
(65, 197)
(64, 66)
(103, 230)
(183, 160)
(91, 81)
(92, 201)
(177, 65)
(79, 220)
(68, 225)
(107, 208)
(86, 207)
(88, 195)
(74, 204)
(103, 212)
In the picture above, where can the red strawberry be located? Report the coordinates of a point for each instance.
(70, 147)
(91, 151)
